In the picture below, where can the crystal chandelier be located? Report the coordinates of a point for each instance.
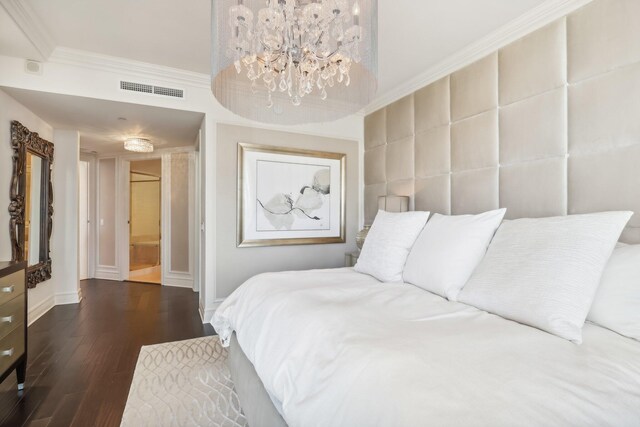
(138, 145)
(294, 61)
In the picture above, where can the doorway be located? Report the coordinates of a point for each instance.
(145, 221)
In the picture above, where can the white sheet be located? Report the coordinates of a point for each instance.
(338, 348)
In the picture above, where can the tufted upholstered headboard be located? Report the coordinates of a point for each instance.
(549, 125)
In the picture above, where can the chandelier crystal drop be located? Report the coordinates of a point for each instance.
(138, 145)
(314, 60)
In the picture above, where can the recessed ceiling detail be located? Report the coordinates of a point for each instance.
(98, 124)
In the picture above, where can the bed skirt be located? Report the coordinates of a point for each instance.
(254, 399)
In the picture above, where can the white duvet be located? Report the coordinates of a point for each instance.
(338, 348)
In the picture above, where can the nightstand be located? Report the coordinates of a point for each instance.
(351, 258)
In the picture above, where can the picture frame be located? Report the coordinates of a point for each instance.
(289, 196)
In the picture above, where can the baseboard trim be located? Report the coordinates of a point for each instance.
(178, 279)
(40, 310)
(107, 273)
(177, 282)
(206, 314)
(68, 298)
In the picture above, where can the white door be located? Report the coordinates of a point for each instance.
(83, 221)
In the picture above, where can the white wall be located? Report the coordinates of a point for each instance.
(98, 77)
(41, 299)
(62, 288)
(64, 236)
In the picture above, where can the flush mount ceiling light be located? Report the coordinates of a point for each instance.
(313, 60)
(138, 145)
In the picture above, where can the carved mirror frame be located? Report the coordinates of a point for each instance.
(22, 142)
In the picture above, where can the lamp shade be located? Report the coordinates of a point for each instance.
(294, 61)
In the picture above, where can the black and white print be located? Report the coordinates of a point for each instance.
(293, 196)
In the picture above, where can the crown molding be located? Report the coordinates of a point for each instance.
(145, 70)
(533, 20)
(31, 26)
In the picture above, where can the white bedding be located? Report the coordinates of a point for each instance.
(338, 348)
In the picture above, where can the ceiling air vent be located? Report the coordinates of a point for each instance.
(136, 87)
(167, 91)
(154, 90)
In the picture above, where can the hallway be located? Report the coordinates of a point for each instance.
(82, 356)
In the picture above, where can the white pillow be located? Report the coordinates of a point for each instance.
(388, 244)
(545, 272)
(448, 250)
(617, 302)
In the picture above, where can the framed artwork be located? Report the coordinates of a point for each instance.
(288, 196)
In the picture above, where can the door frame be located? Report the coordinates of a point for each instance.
(124, 214)
(92, 213)
(169, 277)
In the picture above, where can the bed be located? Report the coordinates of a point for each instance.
(339, 348)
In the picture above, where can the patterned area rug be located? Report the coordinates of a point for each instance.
(183, 383)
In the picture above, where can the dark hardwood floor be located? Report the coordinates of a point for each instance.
(82, 356)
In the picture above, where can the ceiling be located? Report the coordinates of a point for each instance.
(414, 35)
(100, 125)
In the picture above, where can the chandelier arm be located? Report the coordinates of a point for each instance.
(266, 48)
(325, 58)
(331, 21)
(286, 66)
(329, 56)
(263, 62)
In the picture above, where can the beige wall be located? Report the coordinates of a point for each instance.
(548, 125)
(107, 212)
(180, 233)
(235, 265)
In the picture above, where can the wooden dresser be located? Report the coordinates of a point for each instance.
(13, 320)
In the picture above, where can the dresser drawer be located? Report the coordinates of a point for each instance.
(11, 315)
(11, 348)
(11, 286)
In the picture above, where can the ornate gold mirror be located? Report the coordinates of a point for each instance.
(31, 206)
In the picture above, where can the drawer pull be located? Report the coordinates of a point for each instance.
(7, 319)
(8, 289)
(6, 353)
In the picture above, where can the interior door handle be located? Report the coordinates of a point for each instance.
(7, 319)
(6, 353)
(8, 289)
